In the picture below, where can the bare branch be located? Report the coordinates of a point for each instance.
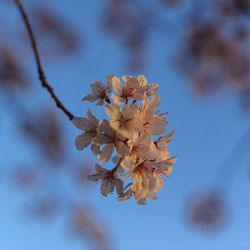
(42, 76)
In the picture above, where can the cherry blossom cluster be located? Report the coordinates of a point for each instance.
(131, 131)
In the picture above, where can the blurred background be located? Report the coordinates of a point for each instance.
(199, 54)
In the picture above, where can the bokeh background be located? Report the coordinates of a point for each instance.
(197, 51)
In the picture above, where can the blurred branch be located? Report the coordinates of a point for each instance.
(234, 160)
(42, 76)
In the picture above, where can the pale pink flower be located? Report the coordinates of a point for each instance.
(147, 177)
(130, 133)
(126, 120)
(145, 88)
(133, 89)
(100, 91)
(159, 147)
(126, 92)
(108, 136)
(153, 123)
(140, 150)
(89, 126)
(109, 180)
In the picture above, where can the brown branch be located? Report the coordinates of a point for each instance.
(42, 76)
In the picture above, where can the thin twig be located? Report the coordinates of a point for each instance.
(42, 76)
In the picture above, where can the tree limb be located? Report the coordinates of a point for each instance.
(42, 76)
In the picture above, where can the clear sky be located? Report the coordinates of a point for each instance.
(206, 132)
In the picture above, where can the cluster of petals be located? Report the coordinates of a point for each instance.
(130, 132)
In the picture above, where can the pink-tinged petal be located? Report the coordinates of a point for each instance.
(125, 196)
(107, 186)
(82, 141)
(142, 80)
(149, 154)
(152, 89)
(106, 128)
(92, 118)
(101, 170)
(130, 110)
(155, 101)
(101, 139)
(117, 99)
(137, 125)
(106, 153)
(127, 163)
(131, 83)
(166, 165)
(97, 88)
(122, 149)
(109, 83)
(119, 185)
(131, 80)
(117, 85)
(116, 126)
(158, 125)
(90, 98)
(153, 196)
(95, 149)
(164, 140)
(116, 159)
(170, 134)
(113, 110)
(81, 123)
(159, 184)
(94, 177)
(144, 139)
(128, 174)
(138, 96)
(101, 102)
(141, 201)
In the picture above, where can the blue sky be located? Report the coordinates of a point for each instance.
(206, 132)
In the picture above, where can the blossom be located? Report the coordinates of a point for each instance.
(145, 88)
(111, 139)
(133, 89)
(109, 180)
(147, 177)
(125, 120)
(159, 147)
(153, 122)
(130, 133)
(100, 91)
(140, 150)
(89, 126)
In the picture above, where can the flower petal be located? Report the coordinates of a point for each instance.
(113, 110)
(119, 185)
(109, 83)
(153, 196)
(95, 149)
(141, 201)
(100, 169)
(101, 102)
(117, 85)
(122, 149)
(106, 153)
(125, 196)
(117, 99)
(166, 165)
(142, 80)
(90, 98)
(81, 123)
(97, 88)
(107, 186)
(82, 141)
(93, 120)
